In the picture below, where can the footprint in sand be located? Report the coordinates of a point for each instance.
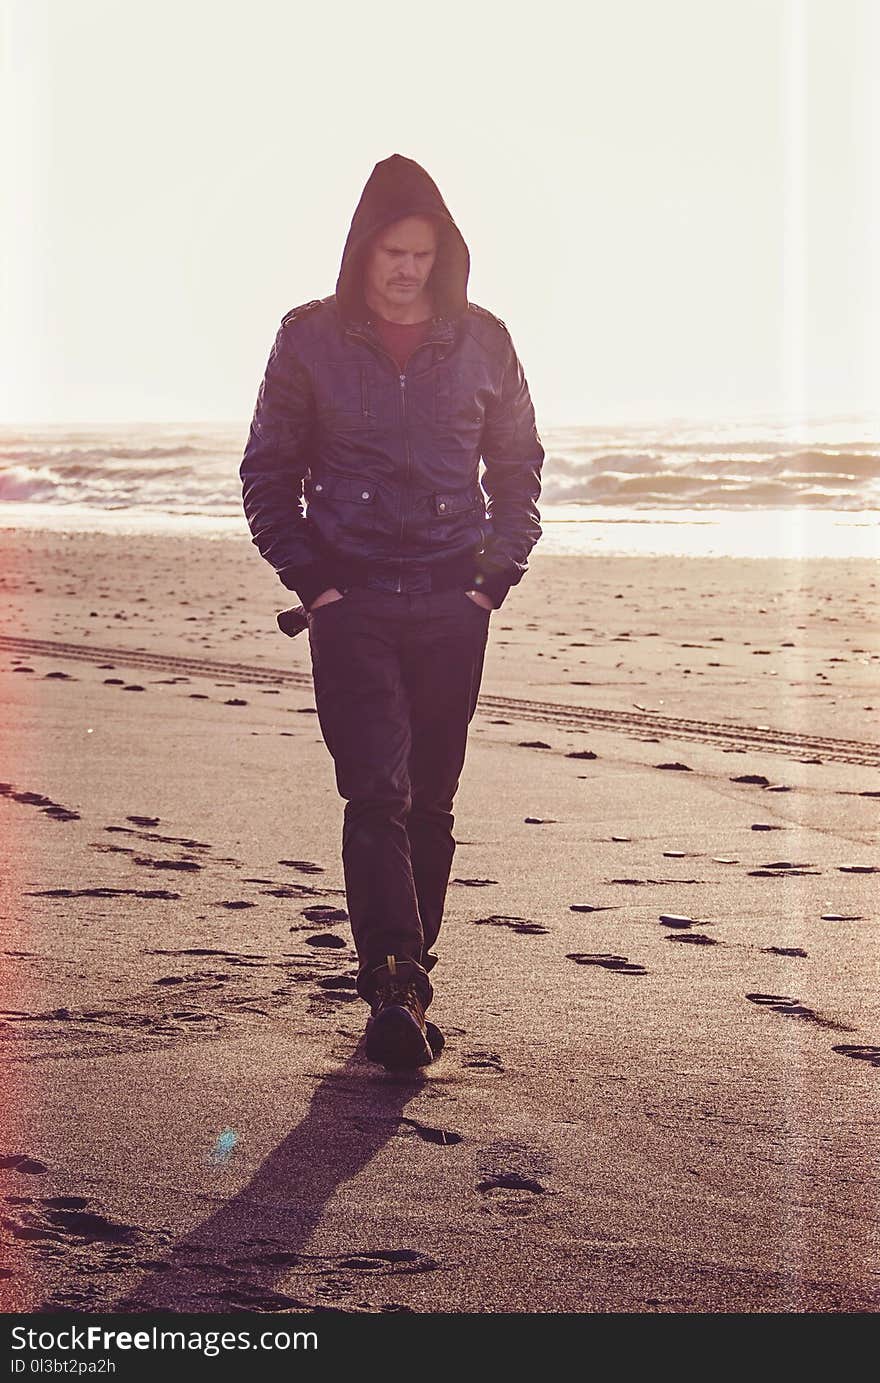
(793, 1008)
(515, 924)
(511, 1194)
(784, 951)
(186, 841)
(443, 1137)
(20, 1162)
(59, 1224)
(607, 962)
(326, 939)
(511, 1181)
(341, 989)
(325, 916)
(676, 767)
(56, 813)
(185, 866)
(534, 744)
(782, 871)
(475, 883)
(483, 1061)
(143, 820)
(53, 810)
(591, 907)
(296, 891)
(338, 983)
(860, 1053)
(694, 938)
(304, 866)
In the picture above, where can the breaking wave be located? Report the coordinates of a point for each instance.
(193, 469)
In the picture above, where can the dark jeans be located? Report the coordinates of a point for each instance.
(396, 682)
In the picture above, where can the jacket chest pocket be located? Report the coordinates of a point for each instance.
(457, 402)
(344, 395)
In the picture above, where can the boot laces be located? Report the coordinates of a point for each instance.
(395, 990)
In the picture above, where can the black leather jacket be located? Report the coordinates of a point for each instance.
(352, 466)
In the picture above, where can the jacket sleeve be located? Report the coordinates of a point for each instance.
(513, 457)
(276, 458)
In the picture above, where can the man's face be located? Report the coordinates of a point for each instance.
(397, 268)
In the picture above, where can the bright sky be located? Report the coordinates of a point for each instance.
(674, 204)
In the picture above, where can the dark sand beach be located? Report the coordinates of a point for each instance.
(658, 973)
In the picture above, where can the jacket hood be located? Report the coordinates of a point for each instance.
(399, 187)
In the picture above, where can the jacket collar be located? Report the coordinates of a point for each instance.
(440, 333)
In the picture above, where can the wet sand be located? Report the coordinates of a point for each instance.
(658, 973)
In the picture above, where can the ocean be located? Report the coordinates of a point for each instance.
(749, 489)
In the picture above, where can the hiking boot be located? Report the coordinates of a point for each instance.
(436, 1039)
(397, 1036)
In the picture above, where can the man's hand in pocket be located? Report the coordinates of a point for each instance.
(325, 598)
(479, 599)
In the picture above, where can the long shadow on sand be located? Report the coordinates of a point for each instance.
(234, 1260)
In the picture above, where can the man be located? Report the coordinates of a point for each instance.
(375, 409)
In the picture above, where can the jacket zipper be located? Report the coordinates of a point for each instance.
(405, 421)
(374, 345)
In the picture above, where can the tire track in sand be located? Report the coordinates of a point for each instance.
(637, 723)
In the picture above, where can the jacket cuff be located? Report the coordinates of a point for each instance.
(495, 586)
(308, 582)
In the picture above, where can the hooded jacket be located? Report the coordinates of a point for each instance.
(353, 467)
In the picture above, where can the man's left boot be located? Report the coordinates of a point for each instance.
(436, 1039)
(397, 1035)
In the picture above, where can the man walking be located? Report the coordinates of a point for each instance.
(361, 487)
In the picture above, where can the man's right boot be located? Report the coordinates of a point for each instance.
(397, 1037)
